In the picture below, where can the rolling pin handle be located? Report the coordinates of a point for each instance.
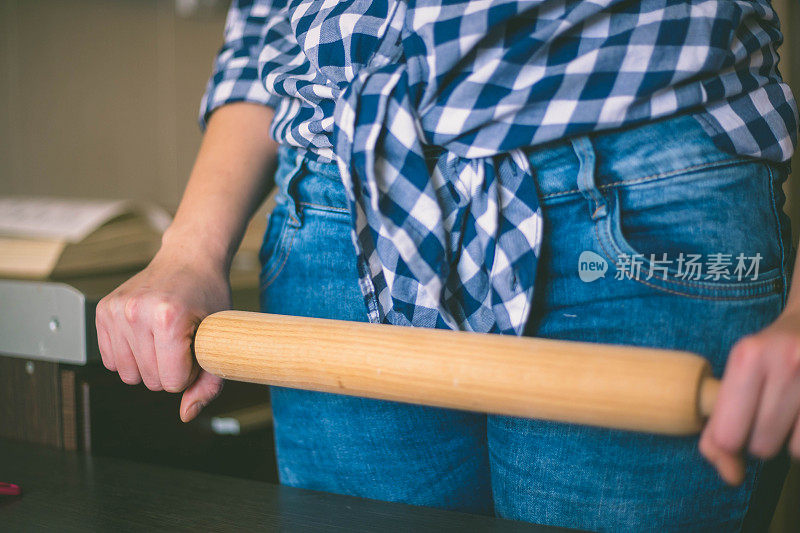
(709, 388)
(621, 387)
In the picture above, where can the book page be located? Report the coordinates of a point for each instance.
(67, 219)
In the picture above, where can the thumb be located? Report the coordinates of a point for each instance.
(204, 389)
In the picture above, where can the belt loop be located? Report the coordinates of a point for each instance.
(587, 164)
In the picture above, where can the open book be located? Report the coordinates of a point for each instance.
(42, 237)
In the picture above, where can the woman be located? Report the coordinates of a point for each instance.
(446, 164)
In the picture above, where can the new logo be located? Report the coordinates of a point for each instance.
(591, 266)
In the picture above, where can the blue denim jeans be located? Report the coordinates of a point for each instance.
(661, 188)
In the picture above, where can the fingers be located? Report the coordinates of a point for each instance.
(780, 403)
(729, 427)
(136, 330)
(172, 336)
(758, 407)
(730, 465)
(145, 339)
(141, 341)
(104, 343)
(124, 361)
(199, 394)
(114, 340)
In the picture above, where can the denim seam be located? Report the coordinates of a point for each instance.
(784, 279)
(749, 294)
(277, 269)
(275, 252)
(669, 174)
(323, 207)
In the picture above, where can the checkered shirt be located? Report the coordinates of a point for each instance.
(427, 106)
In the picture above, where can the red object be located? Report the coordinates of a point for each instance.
(9, 489)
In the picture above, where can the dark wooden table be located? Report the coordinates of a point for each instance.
(85, 407)
(66, 491)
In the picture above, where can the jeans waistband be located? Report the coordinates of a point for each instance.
(654, 149)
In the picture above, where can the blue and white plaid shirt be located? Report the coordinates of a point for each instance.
(427, 106)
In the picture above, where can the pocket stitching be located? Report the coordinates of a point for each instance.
(654, 177)
(752, 285)
(269, 260)
(701, 284)
(749, 290)
(322, 207)
(684, 294)
(276, 270)
(673, 173)
(277, 251)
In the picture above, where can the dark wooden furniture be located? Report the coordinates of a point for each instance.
(65, 491)
(87, 408)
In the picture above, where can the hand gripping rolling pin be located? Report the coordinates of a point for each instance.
(623, 387)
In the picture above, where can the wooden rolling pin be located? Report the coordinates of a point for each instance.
(640, 389)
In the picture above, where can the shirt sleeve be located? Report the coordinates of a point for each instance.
(235, 75)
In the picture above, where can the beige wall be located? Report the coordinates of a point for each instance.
(99, 98)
